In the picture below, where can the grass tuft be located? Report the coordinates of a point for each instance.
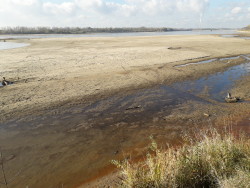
(209, 160)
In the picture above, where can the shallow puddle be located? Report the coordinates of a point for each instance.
(196, 63)
(247, 57)
(215, 59)
(141, 106)
(214, 86)
(217, 85)
(235, 36)
(247, 38)
(229, 58)
(229, 36)
(11, 45)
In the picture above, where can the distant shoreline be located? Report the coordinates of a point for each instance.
(124, 34)
(89, 30)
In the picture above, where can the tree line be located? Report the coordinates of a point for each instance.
(80, 30)
(247, 28)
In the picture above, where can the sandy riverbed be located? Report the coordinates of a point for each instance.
(47, 127)
(52, 71)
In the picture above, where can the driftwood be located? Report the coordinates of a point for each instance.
(134, 107)
(174, 48)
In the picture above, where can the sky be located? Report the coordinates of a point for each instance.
(125, 13)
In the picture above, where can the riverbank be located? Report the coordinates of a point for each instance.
(197, 163)
(77, 103)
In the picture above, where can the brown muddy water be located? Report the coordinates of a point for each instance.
(73, 147)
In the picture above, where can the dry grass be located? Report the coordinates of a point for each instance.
(210, 159)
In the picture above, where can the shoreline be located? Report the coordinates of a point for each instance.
(111, 175)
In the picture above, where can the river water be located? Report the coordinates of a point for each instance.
(204, 32)
(11, 45)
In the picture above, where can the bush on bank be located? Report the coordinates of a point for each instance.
(210, 160)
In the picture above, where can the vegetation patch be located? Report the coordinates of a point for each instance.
(211, 159)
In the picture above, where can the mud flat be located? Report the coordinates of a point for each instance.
(77, 103)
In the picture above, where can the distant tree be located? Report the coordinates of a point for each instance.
(247, 28)
(79, 30)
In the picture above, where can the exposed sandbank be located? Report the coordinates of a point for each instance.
(55, 71)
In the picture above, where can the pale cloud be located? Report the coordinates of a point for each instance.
(155, 6)
(159, 6)
(192, 5)
(63, 8)
(236, 10)
(99, 6)
(126, 13)
(89, 4)
(24, 2)
(127, 10)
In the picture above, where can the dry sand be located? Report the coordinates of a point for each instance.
(50, 72)
(57, 78)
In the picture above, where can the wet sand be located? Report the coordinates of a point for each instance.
(73, 107)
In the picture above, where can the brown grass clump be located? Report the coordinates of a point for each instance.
(210, 160)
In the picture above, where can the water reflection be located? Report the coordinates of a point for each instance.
(216, 85)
